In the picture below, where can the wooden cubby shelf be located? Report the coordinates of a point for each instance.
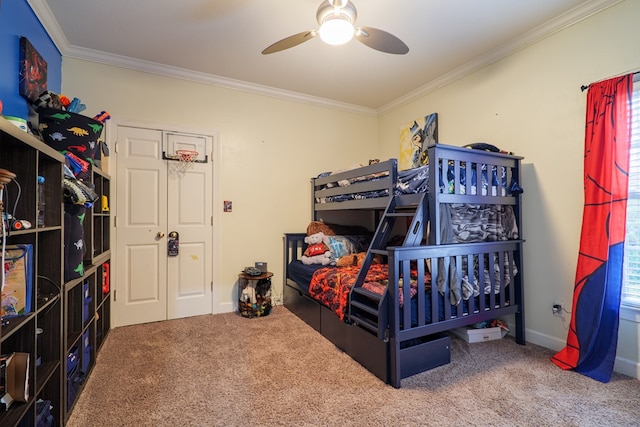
(62, 316)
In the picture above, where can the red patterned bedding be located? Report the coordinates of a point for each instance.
(331, 285)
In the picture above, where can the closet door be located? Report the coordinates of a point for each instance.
(141, 227)
(190, 191)
(159, 198)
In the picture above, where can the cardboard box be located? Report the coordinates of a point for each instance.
(472, 335)
(15, 379)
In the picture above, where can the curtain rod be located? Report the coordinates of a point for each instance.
(636, 76)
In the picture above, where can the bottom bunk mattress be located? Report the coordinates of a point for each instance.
(331, 286)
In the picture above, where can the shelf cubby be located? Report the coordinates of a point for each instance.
(62, 315)
(37, 332)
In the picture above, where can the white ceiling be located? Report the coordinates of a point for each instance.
(220, 42)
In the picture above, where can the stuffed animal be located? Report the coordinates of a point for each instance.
(350, 260)
(357, 259)
(249, 294)
(319, 227)
(317, 252)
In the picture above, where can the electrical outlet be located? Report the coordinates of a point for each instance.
(558, 308)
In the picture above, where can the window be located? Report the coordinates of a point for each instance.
(631, 272)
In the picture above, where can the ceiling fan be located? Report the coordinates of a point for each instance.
(336, 19)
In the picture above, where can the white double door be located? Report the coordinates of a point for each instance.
(154, 199)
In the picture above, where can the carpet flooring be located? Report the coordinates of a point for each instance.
(227, 370)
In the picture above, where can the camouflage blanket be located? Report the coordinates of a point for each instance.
(331, 285)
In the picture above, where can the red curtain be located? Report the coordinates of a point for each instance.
(593, 333)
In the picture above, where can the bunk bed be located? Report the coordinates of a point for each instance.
(445, 251)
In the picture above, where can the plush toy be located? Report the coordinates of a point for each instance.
(319, 227)
(350, 260)
(356, 259)
(317, 252)
(249, 294)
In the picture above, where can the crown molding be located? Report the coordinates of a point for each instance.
(208, 79)
(579, 13)
(547, 29)
(50, 24)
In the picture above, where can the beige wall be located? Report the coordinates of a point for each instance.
(268, 151)
(531, 104)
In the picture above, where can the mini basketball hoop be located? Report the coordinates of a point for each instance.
(187, 156)
(186, 159)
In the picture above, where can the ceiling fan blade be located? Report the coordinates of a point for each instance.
(381, 40)
(290, 42)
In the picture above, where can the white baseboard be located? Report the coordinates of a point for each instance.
(622, 366)
(226, 307)
(543, 340)
(627, 367)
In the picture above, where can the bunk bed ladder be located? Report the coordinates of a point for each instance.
(367, 308)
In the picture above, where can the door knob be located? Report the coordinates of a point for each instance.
(160, 235)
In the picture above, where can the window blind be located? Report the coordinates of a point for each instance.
(631, 269)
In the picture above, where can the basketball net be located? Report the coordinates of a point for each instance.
(185, 160)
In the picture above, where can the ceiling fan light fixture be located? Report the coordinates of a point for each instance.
(336, 30)
(336, 19)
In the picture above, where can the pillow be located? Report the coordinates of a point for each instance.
(340, 246)
(346, 245)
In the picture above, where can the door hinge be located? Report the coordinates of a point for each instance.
(115, 148)
(211, 220)
(115, 295)
(212, 286)
(115, 221)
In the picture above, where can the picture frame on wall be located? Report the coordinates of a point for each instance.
(33, 71)
(415, 137)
